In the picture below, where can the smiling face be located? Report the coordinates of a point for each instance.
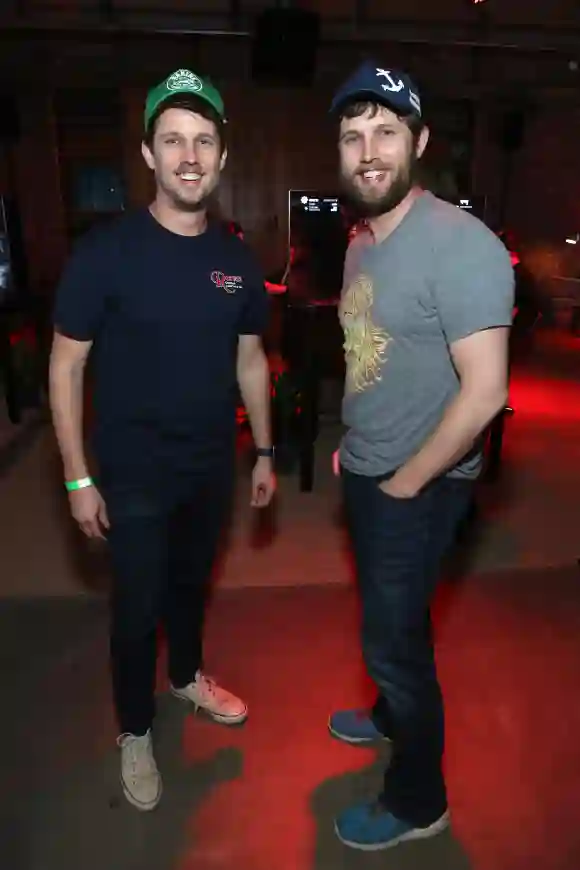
(186, 155)
(378, 154)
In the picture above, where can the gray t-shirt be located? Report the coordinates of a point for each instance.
(440, 276)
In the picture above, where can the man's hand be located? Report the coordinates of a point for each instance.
(89, 511)
(336, 463)
(396, 488)
(263, 482)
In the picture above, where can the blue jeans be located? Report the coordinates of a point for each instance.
(398, 546)
(163, 540)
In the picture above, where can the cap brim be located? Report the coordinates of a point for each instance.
(339, 102)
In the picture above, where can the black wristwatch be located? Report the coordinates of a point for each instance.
(265, 451)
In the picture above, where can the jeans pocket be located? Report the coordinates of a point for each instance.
(394, 498)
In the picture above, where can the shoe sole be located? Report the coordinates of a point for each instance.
(144, 808)
(221, 720)
(357, 741)
(416, 834)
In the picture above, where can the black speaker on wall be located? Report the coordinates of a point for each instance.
(285, 47)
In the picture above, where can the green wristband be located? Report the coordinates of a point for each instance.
(83, 483)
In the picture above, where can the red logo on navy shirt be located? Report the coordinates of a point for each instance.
(229, 283)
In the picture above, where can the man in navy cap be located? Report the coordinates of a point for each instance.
(426, 310)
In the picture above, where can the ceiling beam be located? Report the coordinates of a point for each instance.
(170, 23)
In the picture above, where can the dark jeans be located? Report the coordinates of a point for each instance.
(163, 541)
(398, 546)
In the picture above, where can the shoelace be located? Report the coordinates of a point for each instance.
(136, 748)
(207, 684)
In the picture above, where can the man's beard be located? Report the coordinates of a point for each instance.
(400, 186)
(187, 205)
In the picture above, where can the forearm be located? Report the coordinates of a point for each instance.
(254, 382)
(464, 420)
(66, 404)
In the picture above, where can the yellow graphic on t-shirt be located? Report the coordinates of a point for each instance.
(364, 343)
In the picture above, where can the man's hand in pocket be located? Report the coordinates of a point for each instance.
(397, 489)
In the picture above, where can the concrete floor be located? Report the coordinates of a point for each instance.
(264, 796)
(283, 632)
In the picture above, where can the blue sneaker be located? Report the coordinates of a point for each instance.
(354, 726)
(371, 828)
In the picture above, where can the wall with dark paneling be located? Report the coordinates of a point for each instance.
(87, 111)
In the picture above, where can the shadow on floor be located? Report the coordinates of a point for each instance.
(61, 804)
(84, 822)
(440, 853)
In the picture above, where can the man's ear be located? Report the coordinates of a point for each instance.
(423, 140)
(223, 159)
(147, 155)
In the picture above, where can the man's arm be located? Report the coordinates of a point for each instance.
(66, 379)
(481, 361)
(254, 381)
(80, 306)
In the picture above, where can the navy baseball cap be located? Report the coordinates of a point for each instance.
(388, 86)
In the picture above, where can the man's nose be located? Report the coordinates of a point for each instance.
(190, 153)
(367, 150)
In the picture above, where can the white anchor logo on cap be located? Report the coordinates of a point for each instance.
(393, 86)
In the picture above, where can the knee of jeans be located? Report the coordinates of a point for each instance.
(402, 645)
(134, 618)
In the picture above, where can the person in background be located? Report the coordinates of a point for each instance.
(171, 310)
(236, 229)
(528, 307)
(426, 311)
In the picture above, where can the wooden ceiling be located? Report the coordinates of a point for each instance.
(382, 19)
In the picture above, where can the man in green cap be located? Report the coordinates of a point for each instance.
(172, 310)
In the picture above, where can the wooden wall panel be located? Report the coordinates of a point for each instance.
(545, 180)
(282, 138)
(6, 181)
(38, 188)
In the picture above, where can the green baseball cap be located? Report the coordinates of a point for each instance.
(182, 81)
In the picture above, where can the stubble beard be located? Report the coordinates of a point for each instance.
(181, 203)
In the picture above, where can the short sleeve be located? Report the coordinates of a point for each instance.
(256, 309)
(473, 283)
(81, 293)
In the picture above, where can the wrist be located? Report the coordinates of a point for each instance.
(75, 469)
(403, 483)
(74, 484)
(265, 452)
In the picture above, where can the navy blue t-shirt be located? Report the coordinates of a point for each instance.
(164, 313)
